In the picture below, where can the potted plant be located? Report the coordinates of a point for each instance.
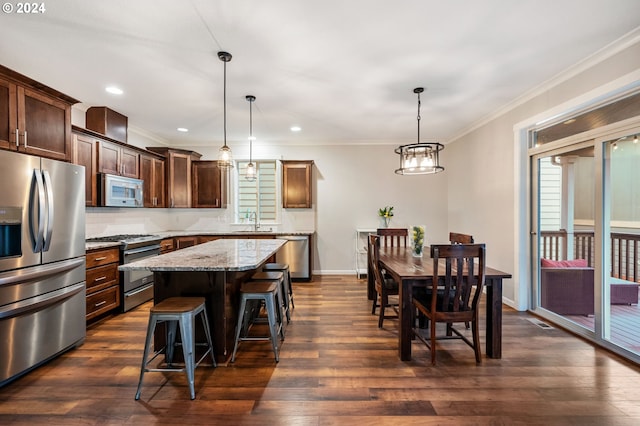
(417, 240)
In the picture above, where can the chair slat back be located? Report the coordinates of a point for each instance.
(457, 238)
(459, 285)
(393, 237)
(374, 252)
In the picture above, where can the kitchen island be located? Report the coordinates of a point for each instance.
(212, 270)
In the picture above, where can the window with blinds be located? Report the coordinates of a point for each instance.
(260, 195)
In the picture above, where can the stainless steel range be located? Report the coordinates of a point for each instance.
(136, 287)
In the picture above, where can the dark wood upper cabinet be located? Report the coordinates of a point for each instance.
(178, 174)
(116, 159)
(34, 119)
(107, 122)
(296, 184)
(153, 175)
(209, 185)
(84, 154)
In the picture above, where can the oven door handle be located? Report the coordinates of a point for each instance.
(142, 249)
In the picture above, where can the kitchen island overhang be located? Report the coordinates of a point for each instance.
(213, 270)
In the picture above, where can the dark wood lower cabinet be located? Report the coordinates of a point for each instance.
(103, 282)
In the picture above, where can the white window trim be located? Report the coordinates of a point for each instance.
(235, 191)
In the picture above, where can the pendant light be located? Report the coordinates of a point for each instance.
(419, 158)
(251, 168)
(225, 159)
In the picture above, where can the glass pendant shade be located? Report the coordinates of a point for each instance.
(250, 173)
(420, 158)
(225, 157)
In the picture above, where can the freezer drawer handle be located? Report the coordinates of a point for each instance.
(38, 273)
(40, 302)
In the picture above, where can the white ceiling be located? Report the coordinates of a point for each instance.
(343, 70)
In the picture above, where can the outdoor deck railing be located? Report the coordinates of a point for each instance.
(624, 250)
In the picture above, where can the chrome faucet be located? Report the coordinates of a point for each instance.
(254, 217)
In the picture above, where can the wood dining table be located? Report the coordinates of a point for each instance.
(409, 271)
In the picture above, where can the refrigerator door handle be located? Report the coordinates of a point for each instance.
(50, 210)
(40, 231)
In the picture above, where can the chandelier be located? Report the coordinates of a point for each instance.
(225, 160)
(419, 158)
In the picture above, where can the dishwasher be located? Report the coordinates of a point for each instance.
(295, 253)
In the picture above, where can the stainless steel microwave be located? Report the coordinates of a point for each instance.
(119, 191)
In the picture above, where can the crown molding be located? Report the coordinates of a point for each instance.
(613, 48)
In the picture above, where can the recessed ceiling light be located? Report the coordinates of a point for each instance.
(296, 128)
(182, 129)
(114, 90)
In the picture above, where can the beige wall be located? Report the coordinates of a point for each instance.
(486, 193)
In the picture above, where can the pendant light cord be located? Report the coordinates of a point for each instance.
(418, 117)
(224, 100)
(250, 131)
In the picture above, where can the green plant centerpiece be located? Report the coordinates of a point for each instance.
(386, 214)
(417, 240)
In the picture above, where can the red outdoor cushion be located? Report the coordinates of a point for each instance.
(575, 263)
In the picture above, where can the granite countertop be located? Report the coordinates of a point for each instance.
(101, 245)
(218, 255)
(170, 234)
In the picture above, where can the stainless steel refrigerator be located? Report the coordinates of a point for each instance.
(42, 261)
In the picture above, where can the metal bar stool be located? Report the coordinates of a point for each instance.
(261, 291)
(283, 294)
(176, 311)
(284, 268)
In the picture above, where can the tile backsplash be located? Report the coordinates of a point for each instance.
(109, 221)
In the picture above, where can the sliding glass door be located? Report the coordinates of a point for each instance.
(585, 236)
(621, 231)
(564, 233)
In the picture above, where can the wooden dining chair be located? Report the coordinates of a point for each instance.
(457, 285)
(456, 238)
(384, 286)
(393, 237)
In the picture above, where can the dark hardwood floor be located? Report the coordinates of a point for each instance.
(336, 368)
